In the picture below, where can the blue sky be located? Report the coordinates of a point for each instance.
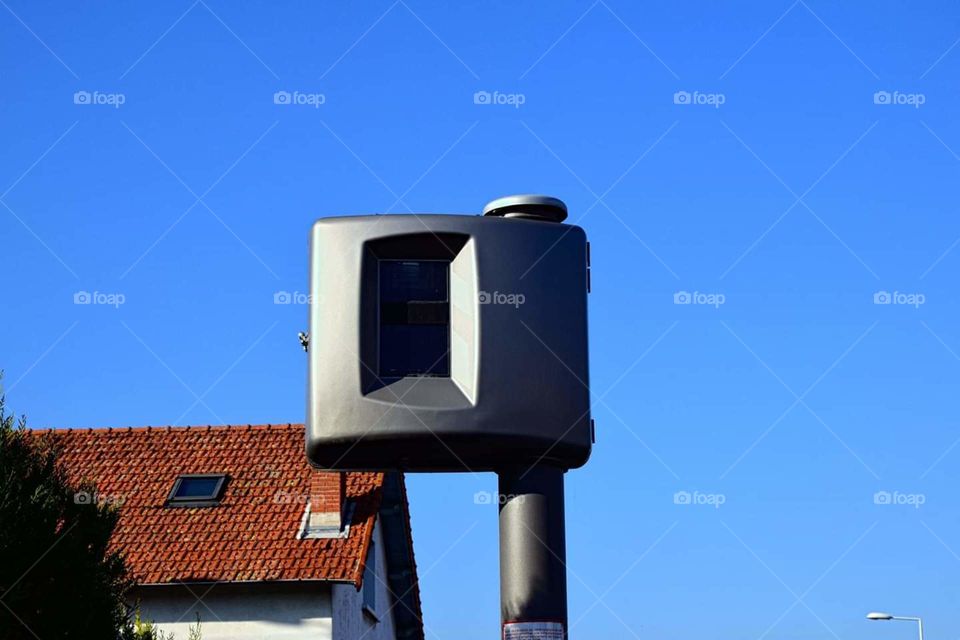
(790, 160)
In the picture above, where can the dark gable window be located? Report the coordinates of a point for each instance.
(197, 490)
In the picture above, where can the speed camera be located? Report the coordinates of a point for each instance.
(449, 342)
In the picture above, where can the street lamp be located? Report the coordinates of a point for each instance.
(886, 616)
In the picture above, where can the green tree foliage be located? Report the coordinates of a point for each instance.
(58, 580)
(195, 633)
(141, 630)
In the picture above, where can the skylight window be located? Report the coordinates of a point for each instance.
(197, 490)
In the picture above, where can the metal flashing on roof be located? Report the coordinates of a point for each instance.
(312, 531)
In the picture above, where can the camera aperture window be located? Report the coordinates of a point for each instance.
(414, 318)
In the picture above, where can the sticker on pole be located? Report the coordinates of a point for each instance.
(533, 631)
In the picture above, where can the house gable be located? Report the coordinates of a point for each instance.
(249, 540)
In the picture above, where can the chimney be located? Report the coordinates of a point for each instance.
(327, 494)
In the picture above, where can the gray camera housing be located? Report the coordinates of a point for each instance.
(514, 387)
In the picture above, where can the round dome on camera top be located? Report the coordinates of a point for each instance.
(529, 206)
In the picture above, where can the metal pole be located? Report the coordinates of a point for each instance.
(919, 622)
(533, 577)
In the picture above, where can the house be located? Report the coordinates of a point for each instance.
(231, 524)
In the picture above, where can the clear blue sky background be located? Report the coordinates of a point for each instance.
(797, 199)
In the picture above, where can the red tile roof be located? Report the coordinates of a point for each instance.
(251, 536)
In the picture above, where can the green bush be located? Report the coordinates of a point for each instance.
(57, 578)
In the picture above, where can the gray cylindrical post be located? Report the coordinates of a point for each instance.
(533, 578)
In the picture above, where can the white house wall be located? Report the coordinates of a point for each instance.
(287, 611)
(350, 622)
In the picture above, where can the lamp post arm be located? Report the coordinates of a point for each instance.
(919, 622)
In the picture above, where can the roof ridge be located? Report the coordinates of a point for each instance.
(149, 428)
